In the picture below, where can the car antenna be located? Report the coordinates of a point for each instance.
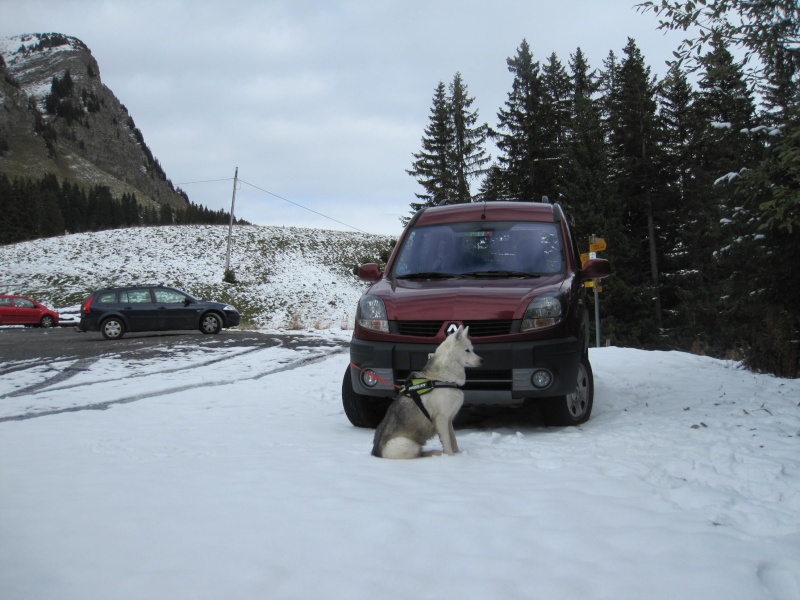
(483, 216)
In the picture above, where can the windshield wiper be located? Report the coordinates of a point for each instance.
(500, 274)
(426, 275)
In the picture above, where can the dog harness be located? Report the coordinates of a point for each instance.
(414, 388)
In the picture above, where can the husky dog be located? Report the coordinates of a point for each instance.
(428, 403)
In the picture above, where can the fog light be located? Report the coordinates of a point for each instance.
(368, 379)
(541, 379)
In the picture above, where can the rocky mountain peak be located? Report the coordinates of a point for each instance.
(56, 116)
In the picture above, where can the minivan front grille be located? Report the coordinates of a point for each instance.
(419, 328)
(429, 329)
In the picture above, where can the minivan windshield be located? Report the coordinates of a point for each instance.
(481, 249)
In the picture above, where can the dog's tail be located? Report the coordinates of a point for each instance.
(400, 447)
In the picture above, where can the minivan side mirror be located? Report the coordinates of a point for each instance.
(369, 272)
(596, 268)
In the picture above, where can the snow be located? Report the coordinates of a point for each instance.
(235, 474)
(727, 178)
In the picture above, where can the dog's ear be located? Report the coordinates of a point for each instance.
(461, 332)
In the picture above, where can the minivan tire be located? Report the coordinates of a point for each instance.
(361, 410)
(112, 328)
(575, 408)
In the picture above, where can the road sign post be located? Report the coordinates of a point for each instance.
(594, 247)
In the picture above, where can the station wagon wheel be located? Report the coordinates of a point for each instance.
(47, 321)
(210, 323)
(574, 408)
(112, 328)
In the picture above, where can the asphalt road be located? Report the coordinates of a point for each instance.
(20, 345)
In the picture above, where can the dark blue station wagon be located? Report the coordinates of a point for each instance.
(115, 311)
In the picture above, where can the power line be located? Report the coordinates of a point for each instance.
(279, 198)
(303, 207)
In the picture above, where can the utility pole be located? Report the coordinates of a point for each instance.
(230, 224)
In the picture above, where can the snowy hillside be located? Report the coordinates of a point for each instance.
(237, 475)
(286, 276)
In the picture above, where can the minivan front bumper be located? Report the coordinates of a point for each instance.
(505, 378)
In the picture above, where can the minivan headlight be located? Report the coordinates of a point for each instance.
(544, 311)
(372, 314)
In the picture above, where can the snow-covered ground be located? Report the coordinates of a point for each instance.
(240, 478)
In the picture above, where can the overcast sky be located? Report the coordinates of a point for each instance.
(321, 103)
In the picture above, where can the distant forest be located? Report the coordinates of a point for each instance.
(34, 209)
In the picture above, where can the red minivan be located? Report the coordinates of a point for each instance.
(511, 271)
(19, 310)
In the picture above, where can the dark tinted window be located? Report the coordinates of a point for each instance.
(107, 298)
(169, 296)
(135, 296)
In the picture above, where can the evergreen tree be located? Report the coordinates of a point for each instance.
(586, 189)
(432, 166)
(51, 221)
(587, 194)
(634, 138)
(12, 209)
(687, 219)
(453, 151)
(469, 155)
(166, 215)
(494, 185)
(727, 111)
(99, 209)
(555, 123)
(608, 84)
(519, 135)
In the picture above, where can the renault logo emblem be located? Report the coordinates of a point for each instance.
(452, 328)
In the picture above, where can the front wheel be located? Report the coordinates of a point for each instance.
(574, 408)
(47, 321)
(363, 411)
(210, 323)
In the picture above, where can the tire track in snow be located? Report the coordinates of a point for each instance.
(54, 388)
(24, 365)
(66, 373)
(296, 364)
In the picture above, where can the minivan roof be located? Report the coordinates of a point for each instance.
(486, 211)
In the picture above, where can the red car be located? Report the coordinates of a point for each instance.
(19, 310)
